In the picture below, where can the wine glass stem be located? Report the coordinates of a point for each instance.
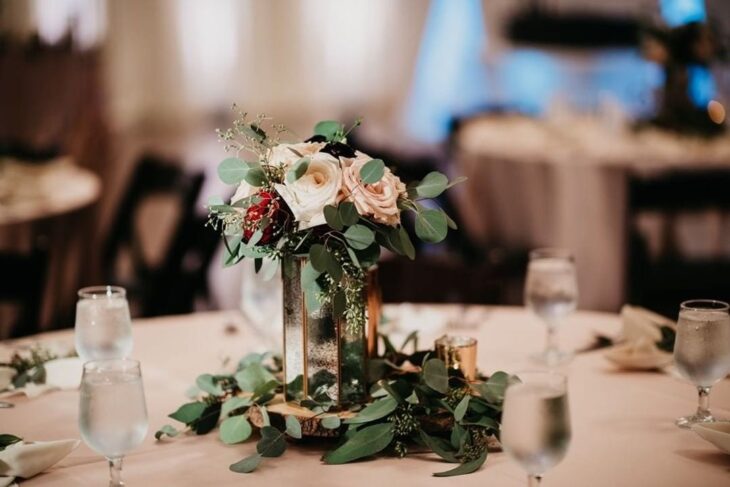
(551, 344)
(533, 480)
(115, 472)
(703, 406)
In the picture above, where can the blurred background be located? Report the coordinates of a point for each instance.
(592, 125)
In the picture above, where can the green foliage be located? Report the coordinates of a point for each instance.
(436, 376)
(364, 443)
(253, 377)
(235, 429)
(330, 129)
(431, 226)
(166, 430)
(232, 170)
(298, 169)
(404, 403)
(372, 171)
(359, 237)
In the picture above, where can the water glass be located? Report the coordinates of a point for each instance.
(103, 326)
(112, 411)
(261, 300)
(551, 292)
(702, 351)
(536, 422)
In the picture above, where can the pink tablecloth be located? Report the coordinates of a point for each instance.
(623, 433)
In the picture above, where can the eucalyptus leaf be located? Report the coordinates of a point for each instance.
(188, 413)
(377, 410)
(369, 256)
(460, 409)
(166, 430)
(348, 213)
(272, 442)
(465, 468)
(255, 176)
(365, 442)
(332, 217)
(436, 376)
(215, 200)
(432, 185)
(330, 129)
(206, 383)
(431, 226)
(252, 377)
(323, 260)
(247, 465)
(439, 446)
(331, 422)
(235, 402)
(232, 170)
(293, 427)
(493, 389)
(297, 170)
(208, 420)
(235, 429)
(372, 171)
(359, 237)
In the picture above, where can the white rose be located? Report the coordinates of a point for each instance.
(317, 188)
(287, 154)
(378, 200)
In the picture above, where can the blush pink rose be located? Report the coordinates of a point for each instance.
(378, 200)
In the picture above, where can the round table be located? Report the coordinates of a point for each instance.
(34, 191)
(623, 431)
(563, 182)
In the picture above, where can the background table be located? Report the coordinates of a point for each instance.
(623, 431)
(562, 182)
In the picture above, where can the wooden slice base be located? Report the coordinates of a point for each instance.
(311, 422)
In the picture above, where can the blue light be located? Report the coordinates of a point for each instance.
(702, 87)
(450, 76)
(680, 12)
(628, 78)
(529, 79)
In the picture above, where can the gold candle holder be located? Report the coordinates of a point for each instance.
(458, 353)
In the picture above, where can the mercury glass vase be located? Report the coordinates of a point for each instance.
(322, 355)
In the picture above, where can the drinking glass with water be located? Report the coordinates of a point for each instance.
(103, 325)
(551, 292)
(702, 351)
(112, 411)
(536, 422)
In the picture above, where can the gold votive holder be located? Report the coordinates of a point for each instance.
(458, 353)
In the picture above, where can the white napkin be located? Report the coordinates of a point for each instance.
(61, 373)
(640, 322)
(25, 460)
(640, 332)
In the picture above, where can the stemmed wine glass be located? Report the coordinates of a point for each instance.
(536, 422)
(702, 351)
(551, 292)
(112, 411)
(103, 327)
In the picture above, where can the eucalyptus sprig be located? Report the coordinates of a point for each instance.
(427, 408)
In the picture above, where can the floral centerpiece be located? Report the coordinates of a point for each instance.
(322, 211)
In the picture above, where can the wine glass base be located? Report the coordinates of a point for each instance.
(686, 422)
(551, 358)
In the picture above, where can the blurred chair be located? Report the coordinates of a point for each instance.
(171, 285)
(23, 283)
(661, 282)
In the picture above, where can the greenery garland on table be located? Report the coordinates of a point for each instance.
(429, 407)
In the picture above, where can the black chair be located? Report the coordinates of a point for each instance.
(170, 286)
(660, 282)
(22, 285)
